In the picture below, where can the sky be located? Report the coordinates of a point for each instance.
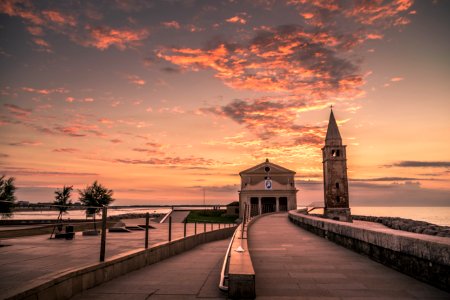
(162, 100)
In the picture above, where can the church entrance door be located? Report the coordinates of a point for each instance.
(268, 204)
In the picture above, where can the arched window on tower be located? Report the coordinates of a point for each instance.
(337, 185)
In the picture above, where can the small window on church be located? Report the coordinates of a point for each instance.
(337, 152)
(338, 199)
(333, 153)
(337, 185)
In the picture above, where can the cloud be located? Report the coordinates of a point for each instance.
(217, 189)
(104, 37)
(59, 17)
(308, 65)
(3, 155)
(169, 161)
(238, 19)
(66, 150)
(23, 9)
(135, 79)
(421, 164)
(59, 90)
(26, 143)
(26, 172)
(287, 59)
(395, 79)
(171, 24)
(148, 151)
(17, 111)
(116, 141)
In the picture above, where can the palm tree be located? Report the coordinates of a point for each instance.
(62, 200)
(7, 197)
(94, 197)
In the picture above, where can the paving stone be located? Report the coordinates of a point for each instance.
(322, 269)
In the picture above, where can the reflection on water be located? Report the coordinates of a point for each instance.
(78, 214)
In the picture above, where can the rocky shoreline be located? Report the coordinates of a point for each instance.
(401, 224)
(408, 225)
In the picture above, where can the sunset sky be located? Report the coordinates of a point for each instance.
(159, 100)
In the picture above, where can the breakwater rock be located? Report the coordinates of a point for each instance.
(408, 225)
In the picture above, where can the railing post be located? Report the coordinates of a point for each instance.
(212, 226)
(204, 227)
(170, 228)
(219, 225)
(195, 228)
(103, 240)
(185, 228)
(147, 218)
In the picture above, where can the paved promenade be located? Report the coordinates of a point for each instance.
(26, 259)
(190, 275)
(292, 263)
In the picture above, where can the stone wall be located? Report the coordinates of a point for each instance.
(423, 257)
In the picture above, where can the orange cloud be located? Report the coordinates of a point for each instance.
(237, 19)
(60, 90)
(396, 79)
(170, 161)
(43, 45)
(104, 37)
(136, 80)
(21, 8)
(287, 59)
(59, 18)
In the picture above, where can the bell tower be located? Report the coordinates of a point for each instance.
(335, 174)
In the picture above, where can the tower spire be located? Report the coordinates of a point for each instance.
(333, 136)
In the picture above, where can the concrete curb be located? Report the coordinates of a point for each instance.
(67, 283)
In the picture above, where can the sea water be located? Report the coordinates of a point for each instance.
(434, 215)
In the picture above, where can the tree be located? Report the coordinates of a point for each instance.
(62, 200)
(94, 197)
(7, 197)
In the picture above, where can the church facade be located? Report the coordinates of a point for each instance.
(266, 188)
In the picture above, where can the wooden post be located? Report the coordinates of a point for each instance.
(170, 228)
(185, 228)
(204, 227)
(147, 218)
(212, 226)
(195, 229)
(219, 225)
(103, 240)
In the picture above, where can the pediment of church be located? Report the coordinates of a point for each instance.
(261, 169)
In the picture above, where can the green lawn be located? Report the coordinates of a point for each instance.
(209, 216)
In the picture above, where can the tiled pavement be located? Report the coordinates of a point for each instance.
(191, 275)
(292, 263)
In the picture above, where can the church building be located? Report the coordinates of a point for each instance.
(335, 174)
(265, 188)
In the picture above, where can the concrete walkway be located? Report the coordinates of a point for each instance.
(292, 263)
(191, 275)
(27, 259)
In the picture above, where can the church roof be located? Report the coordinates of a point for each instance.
(333, 134)
(260, 169)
